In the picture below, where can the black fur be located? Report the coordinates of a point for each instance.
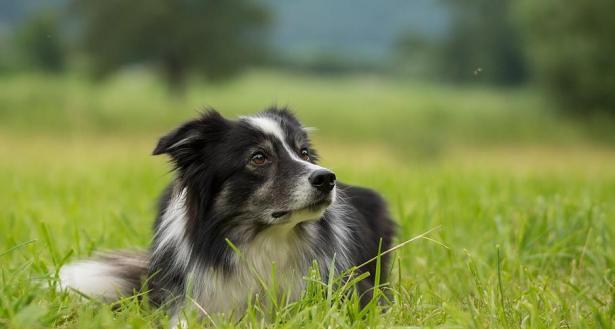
(223, 195)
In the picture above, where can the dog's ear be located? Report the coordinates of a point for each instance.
(191, 135)
(176, 138)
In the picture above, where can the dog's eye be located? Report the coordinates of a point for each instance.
(259, 159)
(305, 154)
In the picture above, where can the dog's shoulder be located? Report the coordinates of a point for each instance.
(365, 200)
(372, 209)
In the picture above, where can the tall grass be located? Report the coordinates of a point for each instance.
(525, 231)
(416, 118)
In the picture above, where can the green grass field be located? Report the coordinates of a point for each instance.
(522, 201)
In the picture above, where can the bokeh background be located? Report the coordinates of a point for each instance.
(491, 119)
(418, 76)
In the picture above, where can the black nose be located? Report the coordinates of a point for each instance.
(322, 179)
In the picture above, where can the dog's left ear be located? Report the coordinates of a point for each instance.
(191, 135)
(182, 135)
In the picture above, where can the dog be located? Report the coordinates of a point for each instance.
(247, 193)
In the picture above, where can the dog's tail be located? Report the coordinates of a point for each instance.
(107, 276)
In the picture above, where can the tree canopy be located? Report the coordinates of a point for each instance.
(570, 46)
(214, 38)
(483, 42)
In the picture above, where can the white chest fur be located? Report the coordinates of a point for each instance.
(273, 265)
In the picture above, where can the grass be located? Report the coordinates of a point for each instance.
(420, 120)
(528, 222)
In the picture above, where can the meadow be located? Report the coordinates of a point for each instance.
(519, 202)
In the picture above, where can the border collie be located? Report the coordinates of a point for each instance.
(247, 193)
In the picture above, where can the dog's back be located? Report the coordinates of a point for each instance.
(374, 226)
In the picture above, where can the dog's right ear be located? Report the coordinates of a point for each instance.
(191, 135)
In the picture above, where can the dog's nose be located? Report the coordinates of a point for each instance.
(323, 180)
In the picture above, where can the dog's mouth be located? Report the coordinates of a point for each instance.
(313, 207)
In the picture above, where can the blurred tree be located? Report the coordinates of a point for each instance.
(483, 44)
(215, 38)
(571, 45)
(416, 55)
(40, 43)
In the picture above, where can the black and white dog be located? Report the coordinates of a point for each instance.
(247, 194)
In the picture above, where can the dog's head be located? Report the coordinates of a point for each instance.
(259, 168)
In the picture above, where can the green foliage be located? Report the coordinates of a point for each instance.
(419, 119)
(40, 42)
(483, 44)
(214, 38)
(571, 48)
(529, 249)
(527, 246)
(417, 56)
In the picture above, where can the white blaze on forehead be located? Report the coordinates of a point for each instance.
(272, 127)
(268, 126)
